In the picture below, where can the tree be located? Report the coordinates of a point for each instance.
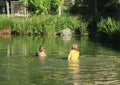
(25, 2)
(43, 6)
(108, 6)
(8, 7)
(100, 7)
(61, 4)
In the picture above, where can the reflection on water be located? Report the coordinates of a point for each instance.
(42, 60)
(6, 36)
(100, 70)
(67, 37)
(74, 71)
(98, 65)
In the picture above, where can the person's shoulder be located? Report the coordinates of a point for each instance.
(72, 50)
(42, 54)
(76, 51)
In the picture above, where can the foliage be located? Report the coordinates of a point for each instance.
(108, 25)
(45, 24)
(98, 7)
(54, 5)
(109, 29)
(25, 2)
(30, 25)
(83, 26)
(5, 22)
(49, 26)
(66, 21)
(88, 7)
(43, 6)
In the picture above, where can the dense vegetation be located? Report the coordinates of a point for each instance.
(43, 24)
(104, 29)
(98, 18)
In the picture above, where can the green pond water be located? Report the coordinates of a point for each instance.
(97, 65)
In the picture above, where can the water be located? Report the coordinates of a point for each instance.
(97, 65)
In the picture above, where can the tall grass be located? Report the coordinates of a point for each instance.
(83, 27)
(46, 24)
(5, 22)
(108, 25)
(43, 24)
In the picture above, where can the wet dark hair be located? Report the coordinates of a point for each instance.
(41, 48)
(36, 54)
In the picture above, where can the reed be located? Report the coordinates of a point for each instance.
(108, 25)
(42, 24)
(5, 22)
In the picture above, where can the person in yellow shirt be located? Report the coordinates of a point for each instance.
(74, 53)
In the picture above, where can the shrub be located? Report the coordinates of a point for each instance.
(108, 25)
(5, 22)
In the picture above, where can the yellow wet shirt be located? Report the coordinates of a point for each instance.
(73, 55)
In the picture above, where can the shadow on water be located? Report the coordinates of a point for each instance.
(42, 60)
(108, 44)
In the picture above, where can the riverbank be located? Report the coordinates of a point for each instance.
(43, 24)
(102, 29)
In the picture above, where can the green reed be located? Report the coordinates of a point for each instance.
(45, 24)
(109, 26)
(42, 24)
(5, 22)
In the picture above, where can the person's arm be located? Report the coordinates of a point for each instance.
(69, 55)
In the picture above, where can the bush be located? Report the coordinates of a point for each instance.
(5, 22)
(43, 24)
(108, 25)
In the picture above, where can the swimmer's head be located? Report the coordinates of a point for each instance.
(41, 48)
(75, 46)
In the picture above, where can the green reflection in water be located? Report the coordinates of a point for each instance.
(19, 66)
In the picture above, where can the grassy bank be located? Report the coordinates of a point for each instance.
(43, 24)
(99, 28)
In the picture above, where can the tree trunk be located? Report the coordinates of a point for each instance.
(7, 6)
(60, 10)
(61, 5)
